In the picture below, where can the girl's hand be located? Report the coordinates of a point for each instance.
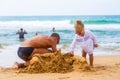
(95, 45)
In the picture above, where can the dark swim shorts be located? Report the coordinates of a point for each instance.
(25, 52)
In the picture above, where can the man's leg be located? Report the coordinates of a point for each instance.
(91, 57)
(17, 65)
(40, 51)
(36, 51)
(84, 54)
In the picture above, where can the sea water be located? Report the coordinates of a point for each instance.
(106, 29)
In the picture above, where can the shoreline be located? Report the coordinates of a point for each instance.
(105, 68)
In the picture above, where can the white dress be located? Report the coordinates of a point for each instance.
(86, 42)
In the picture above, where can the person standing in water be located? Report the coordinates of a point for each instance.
(36, 33)
(53, 29)
(21, 33)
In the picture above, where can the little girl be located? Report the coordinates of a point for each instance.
(87, 41)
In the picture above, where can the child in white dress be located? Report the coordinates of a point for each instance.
(87, 41)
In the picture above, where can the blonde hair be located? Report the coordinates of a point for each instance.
(79, 22)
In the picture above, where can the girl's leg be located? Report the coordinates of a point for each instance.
(91, 57)
(84, 54)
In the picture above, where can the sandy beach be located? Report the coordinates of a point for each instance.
(59, 39)
(105, 68)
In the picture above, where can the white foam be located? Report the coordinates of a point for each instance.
(45, 25)
(103, 27)
(9, 56)
(35, 24)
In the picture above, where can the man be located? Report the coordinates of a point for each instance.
(21, 33)
(39, 44)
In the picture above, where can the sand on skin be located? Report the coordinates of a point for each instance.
(106, 68)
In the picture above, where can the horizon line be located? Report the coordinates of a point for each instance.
(54, 15)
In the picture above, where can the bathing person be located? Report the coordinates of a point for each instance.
(21, 33)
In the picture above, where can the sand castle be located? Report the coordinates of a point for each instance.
(55, 63)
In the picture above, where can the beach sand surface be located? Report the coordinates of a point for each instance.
(105, 68)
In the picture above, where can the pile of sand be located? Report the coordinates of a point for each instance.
(55, 62)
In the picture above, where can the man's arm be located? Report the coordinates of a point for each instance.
(53, 44)
(25, 32)
(17, 32)
(54, 48)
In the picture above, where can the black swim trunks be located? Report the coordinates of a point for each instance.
(25, 52)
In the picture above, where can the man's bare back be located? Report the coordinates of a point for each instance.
(39, 41)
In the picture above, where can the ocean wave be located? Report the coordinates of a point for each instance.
(98, 21)
(1, 46)
(110, 46)
(95, 19)
(45, 25)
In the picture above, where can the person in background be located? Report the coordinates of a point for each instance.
(86, 39)
(21, 33)
(36, 33)
(53, 29)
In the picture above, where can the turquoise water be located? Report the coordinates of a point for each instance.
(106, 29)
(86, 19)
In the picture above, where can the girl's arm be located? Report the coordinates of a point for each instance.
(94, 39)
(73, 44)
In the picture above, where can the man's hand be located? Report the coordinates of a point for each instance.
(95, 45)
